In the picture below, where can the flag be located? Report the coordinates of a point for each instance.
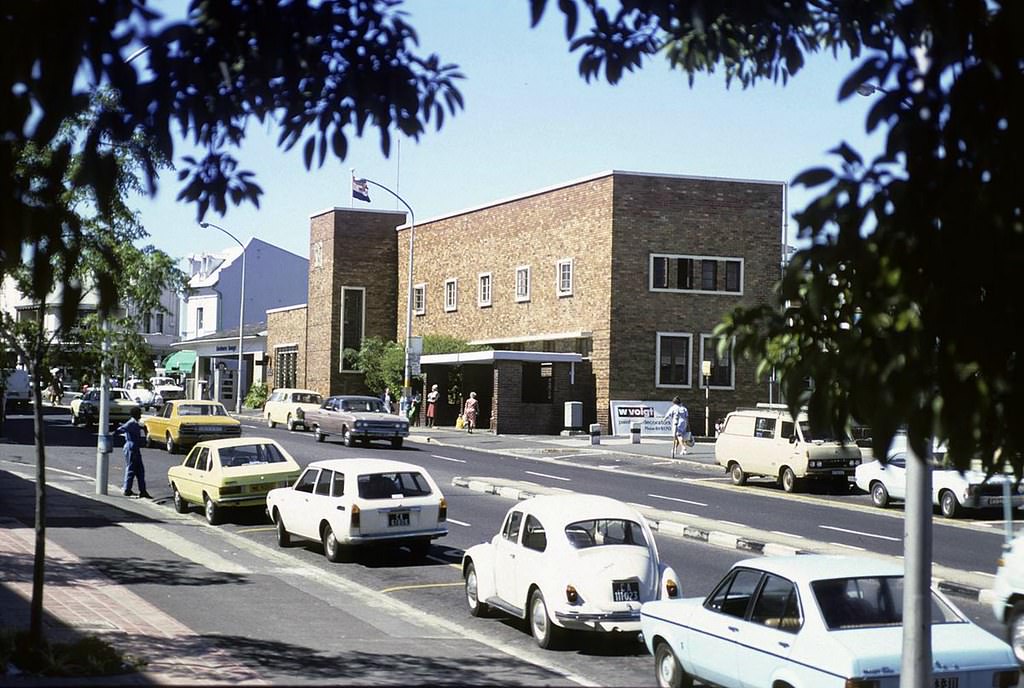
(360, 190)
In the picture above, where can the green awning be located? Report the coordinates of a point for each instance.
(180, 361)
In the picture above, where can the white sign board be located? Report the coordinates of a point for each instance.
(651, 415)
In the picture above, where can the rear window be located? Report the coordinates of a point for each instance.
(870, 602)
(249, 454)
(392, 485)
(605, 531)
(300, 398)
(201, 410)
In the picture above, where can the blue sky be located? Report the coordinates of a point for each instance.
(530, 121)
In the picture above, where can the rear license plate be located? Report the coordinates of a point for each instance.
(993, 501)
(260, 487)
(838, 472)
(212, 428)
(625, 591)
(398, 518)
(947, 682)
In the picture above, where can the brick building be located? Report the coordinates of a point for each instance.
(628, 271)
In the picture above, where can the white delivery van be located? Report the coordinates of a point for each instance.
(19, 389)
(765, 441)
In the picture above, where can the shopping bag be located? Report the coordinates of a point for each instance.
(460, 422)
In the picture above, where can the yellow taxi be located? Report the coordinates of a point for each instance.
(184, 422)
(222, 474)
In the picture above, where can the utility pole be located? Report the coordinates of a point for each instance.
(917, 562)
(103, 424)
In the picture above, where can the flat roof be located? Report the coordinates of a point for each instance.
(489, 357)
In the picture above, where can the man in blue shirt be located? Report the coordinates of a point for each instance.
(134, 432)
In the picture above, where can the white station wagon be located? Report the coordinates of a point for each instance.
(343, 502)
(579, 562)
(814, 621)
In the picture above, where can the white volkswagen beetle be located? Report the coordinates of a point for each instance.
(579, 562)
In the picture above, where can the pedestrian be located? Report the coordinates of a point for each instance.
(386, 398)
(679, 417)
(432, 398)
(469, 412)
(134, 431)
(414, 408)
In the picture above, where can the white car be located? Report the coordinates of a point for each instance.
(813, 621)
(140, 391)
(344, 502)
(165, 389)
(577, 562)
(290, 406)
(952, 491)
(1008, 595)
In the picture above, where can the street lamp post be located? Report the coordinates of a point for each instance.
(241, 315)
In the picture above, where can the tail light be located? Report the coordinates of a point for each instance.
(861, 683)
(571, 595)
(355, 516)
(442, 511)
(671, 589)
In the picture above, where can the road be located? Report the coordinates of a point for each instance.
(279, 581)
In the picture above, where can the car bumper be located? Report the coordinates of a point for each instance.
(432, 533)
(622, 621)
(189, 439)
(379, 434)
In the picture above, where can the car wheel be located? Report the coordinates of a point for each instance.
(332, 548)
(169, 443)
(546, 633)
(789, 480)
(349, 440)
(180, 505)
(284, 538)
(1015, 631)
(948, 505)
(396, 443)
(289, 423)
(476, 607)
(737, 474)
(211, 510)
(879, 495)
(667, 671)
(270, 423)
(317, 435)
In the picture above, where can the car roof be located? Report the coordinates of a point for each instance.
(804, 568)
(361, 397)
(570, 508)
(366, 465)
(202, 402)
(290, 390)
(237, 442)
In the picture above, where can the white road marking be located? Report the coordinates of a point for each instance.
(677, 499)
(545, 475)
(839, 544)
(610, 467)
(183, 548)
(459, 523)
(792, 535)
(446, 458)
(858, 532)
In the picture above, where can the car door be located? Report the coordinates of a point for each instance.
(188, 486)
(157, 425)
(297, 513)
(320, 502)
(765, 639)
(505, 553)
(530, 559)
(893, 474)
(713, 647)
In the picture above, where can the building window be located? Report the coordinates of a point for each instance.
(722, 371)
(451, 295)
(537, 383)
(669, 272)
(564, 277)
(419, 299)
(523, 283)
(160, 323)
(286, 366)
(673, 360)
(199, 320)
(148, 322)
(353, 314)
(483, 294)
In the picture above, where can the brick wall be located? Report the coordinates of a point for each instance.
(286, 327)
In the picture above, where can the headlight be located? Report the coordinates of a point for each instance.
(359, 424)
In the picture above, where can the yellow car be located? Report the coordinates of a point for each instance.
(183, 422)
(290, 406)
(221, 474)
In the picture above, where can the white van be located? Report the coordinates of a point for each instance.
(765, 441)
(19, 389)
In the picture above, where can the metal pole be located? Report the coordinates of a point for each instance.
(241, 316)
(916, 670)
(707, 408)
(103, 423)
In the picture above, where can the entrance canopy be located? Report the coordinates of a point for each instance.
(180, 361)
(489, 357)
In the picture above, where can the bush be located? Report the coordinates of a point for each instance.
(256, 397)
(88, 656)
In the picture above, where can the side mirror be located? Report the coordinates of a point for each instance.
(792, 439)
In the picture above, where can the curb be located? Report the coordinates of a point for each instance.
(716, 538)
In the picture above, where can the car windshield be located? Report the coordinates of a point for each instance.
(362, 405)
(870, 602)
(248, 454)
(162, 381)
(301, 398)
(201, 410)
(392, 485)
(605, 531)
(823, 435)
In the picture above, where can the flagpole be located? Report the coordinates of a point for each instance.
(407, 387)
(351, 198)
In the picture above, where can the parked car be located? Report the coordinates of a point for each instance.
(290, 406)
(357, 419)
(813, 621)
(165, 389)
(1008, 595)
(141, 392)
(767, 441)
(221, 474)
(568, 562)
(19, 389)
(344, 502)
(85, 410)
(952, 491)
(184, 422)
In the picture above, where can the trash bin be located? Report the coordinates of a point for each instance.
(573, 415)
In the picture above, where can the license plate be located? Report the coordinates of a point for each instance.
(398, 518)
(260, 487)
(625, 591)
(993, 501)
(213, 428)
(838, 472)
(947, 682)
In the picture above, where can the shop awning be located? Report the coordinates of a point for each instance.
(180, 361)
